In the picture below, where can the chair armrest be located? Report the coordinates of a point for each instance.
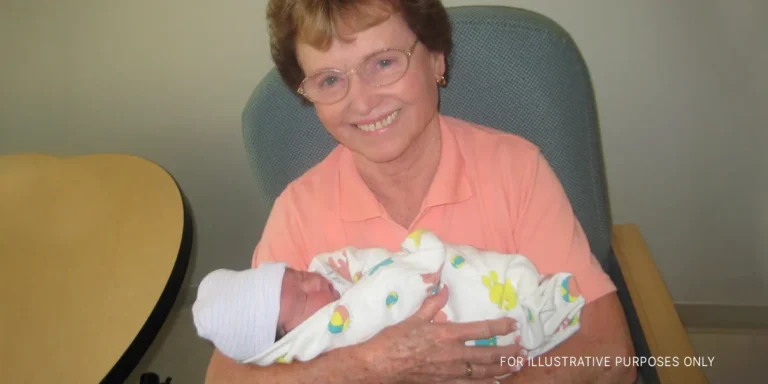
(664, 332)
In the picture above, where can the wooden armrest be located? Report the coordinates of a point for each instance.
(664, 332)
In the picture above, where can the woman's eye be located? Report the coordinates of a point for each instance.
(329, 81)
(385, 63)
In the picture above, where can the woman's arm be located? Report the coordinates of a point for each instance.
(600, 337)
(337, 366)
(549, 232)
(413, 351)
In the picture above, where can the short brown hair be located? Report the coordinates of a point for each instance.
(316, 22)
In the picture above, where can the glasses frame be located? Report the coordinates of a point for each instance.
(408, 53)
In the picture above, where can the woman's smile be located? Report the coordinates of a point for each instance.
(379, 125)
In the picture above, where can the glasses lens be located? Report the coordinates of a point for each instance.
(326, 86)
(384, 68)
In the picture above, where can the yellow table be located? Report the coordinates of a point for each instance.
(93, 251)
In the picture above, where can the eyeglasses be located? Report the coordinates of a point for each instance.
(377, 70)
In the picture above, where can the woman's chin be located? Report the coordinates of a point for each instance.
(382, 154)
(382, 148)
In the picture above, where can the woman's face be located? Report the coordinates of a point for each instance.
(303, 294)
(413, 98)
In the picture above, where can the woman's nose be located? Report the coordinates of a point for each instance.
(363, 97)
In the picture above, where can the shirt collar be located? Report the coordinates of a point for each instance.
(450, 184)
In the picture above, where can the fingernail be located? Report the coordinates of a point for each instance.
(524, 355)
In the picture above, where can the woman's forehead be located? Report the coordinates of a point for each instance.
(347, 52)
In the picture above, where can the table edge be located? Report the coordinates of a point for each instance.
(151, 328)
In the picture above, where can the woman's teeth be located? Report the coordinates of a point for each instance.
(379, 124)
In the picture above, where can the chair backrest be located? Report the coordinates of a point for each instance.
(511, 69)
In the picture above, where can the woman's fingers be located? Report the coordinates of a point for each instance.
(491, 355)
(432, 305)
(479, 371)
(480, 329)
(485, 362)
(429, 353)
(490, 371)
(471, 381)
(463, 380)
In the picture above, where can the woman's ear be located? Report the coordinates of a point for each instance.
(438, 64)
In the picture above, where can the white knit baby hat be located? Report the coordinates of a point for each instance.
(238, 310)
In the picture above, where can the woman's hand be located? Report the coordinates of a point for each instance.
(420, 351)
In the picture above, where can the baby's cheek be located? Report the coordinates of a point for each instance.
(315, 303)
(292, 317)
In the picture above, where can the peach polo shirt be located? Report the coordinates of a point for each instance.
(492, 190)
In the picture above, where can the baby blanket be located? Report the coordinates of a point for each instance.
(380, 288)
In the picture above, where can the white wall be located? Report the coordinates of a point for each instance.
(677, 86)
(166, 80)
(681, 99)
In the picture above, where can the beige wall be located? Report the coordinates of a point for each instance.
(681, 95)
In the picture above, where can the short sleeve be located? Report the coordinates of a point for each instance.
(549, 232)
(282, 239)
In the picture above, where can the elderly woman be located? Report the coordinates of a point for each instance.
(372, 70)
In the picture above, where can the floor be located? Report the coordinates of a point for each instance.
(738, 354)
(179, 354)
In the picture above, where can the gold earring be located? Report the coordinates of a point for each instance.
(442, 81)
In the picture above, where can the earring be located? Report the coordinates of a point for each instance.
(442, 81)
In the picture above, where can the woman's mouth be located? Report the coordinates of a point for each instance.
(380, 124)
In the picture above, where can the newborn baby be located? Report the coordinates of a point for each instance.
(276, 314)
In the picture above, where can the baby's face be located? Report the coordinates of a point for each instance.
(303, 294)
